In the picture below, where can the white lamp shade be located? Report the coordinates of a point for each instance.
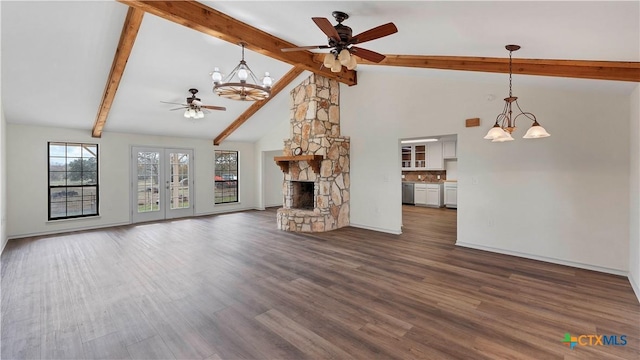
(243, 74)
(267, 80)
(192, 113)
(496, 132)
(328, 60)
(535, 132)
(216, 76)
(344, 56)
(352, 64)
(199, 114)
(186, 114)
(336, 66)
(508, 137)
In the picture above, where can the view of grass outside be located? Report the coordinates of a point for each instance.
(149, 190)
(73, 180)
(226, 177)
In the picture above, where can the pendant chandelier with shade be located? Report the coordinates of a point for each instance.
(506, 122)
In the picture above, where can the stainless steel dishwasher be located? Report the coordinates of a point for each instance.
(407, 193)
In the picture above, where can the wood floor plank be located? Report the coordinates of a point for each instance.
(307, 341)
(232, 286)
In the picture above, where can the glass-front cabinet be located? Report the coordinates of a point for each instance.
(420, 160)
(414, 157)
(407, 156)
(422, 156)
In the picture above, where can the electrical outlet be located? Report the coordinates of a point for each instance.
(438, 177)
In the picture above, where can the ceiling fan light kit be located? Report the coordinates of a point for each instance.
(193, 107)
(340, 41)
(241, 83)
(506, 123)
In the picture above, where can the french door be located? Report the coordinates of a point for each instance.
(162, 185)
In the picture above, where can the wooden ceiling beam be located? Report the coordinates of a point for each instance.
(212, 22)
(583, 69)
(127, 39)
(277, 87)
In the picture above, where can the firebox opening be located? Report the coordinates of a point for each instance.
(303, 193)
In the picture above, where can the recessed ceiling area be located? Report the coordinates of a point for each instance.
(58, 78)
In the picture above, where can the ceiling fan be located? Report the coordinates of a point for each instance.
(193, 107)
(341, 42)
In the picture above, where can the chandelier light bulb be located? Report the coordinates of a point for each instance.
(243, 74)
(216, 76)
(267, 81)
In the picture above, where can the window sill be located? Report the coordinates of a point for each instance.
(73, 219)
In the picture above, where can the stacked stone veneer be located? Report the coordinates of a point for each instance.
(315, 128)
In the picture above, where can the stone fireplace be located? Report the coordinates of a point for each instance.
(316, 180)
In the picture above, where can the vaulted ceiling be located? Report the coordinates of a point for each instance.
(57, 57)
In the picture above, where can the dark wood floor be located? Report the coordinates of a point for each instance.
(233, 287)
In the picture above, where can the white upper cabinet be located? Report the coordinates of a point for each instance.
(428, 156)
(434, 156)
(449, 150)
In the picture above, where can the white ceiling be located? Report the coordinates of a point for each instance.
(56, 56)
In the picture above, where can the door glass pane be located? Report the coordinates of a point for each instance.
(179, 180)
(148, 181)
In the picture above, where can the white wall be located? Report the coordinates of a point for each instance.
(561, 199)
(27, 177)
(273, 178)
(273, 141)
(634, 192)
(3, 180)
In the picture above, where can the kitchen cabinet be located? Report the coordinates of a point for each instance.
(414, 157)
(434, 195)
(451, 194)
(434, 156)
(422, 156)
(407, 157)
(420, 194)
(449, 150)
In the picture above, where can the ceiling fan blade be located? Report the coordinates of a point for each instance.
(374, 33)
(327, 28)
(180, 108)
(214, 107)
(305, 48)
(367, 54)
(166, 102)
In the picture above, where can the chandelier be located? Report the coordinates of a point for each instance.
(241, 84)
(506, 122)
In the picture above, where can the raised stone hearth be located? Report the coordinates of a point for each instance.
(315, 128)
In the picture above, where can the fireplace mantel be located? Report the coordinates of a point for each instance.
(313, 160)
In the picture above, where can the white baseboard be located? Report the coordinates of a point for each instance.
(546, 259)
(64, 231)
(366, 227)
(634, 286)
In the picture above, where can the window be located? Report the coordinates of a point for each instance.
(226, 177)
(73, 180)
